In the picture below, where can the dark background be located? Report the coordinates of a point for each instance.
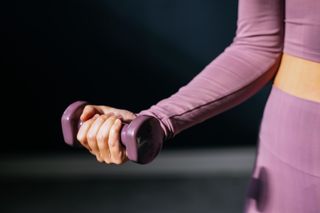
(125, 54)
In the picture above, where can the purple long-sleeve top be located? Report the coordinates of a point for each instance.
(265, 29)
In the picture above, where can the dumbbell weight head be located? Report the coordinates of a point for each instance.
(142, 137)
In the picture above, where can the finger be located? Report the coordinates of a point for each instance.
(102, 138)
(92, 135)
(117, 150)
(89, 111)
(82, 133)
(99, 159)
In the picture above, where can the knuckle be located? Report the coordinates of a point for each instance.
(103, 116)
(112, 116)
(109, 114)
(100, 138)
(99, 119)
(91, 137)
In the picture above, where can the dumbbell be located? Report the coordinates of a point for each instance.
(142, 137)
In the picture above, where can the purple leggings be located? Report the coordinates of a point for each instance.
(288, 157)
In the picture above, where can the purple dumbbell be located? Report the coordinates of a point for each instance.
(142, 137)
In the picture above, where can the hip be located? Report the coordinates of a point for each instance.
(287, 170)
(290, 128)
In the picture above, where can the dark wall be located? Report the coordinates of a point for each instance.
(126, 54)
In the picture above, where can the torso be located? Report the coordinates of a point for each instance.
(299, 77)
(299, 71)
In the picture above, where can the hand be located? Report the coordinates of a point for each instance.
(100, 132)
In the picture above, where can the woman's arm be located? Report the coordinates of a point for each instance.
(239, 72)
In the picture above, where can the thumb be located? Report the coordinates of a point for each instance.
(88, 112)
(127, 115)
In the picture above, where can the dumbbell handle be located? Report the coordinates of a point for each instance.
(142, 137)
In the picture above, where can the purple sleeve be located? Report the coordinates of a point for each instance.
(240, 71)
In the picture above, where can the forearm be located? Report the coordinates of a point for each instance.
(236, 74)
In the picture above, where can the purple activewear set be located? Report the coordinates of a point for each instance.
(287, 168)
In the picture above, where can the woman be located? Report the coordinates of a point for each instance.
(275, 40)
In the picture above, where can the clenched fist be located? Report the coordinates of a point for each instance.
(100, 132)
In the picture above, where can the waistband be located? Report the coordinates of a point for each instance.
(290, 128)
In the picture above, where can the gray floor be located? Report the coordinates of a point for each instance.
(185, 181)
